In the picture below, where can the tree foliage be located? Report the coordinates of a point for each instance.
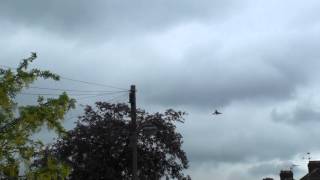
(99, 146)
(18, 123)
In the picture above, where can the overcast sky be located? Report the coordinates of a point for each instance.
(256, 61)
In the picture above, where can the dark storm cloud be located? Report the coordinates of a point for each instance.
(267, 69)
(108, 18)
(270, 70)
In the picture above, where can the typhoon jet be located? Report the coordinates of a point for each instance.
(216, 112)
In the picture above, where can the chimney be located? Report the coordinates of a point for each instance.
(313, 165)
(286, 175)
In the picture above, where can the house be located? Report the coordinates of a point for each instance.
(313, 171)
(286, 175)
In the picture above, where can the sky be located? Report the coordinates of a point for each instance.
(254, 60)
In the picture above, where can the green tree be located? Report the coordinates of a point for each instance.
(19, 122)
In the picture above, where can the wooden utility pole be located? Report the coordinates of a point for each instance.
(132, 100)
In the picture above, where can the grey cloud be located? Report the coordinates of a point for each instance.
(109, 18)
(205, 78)
(246, 135)
(243, 149)
(301, 114)
(264, 69)
(246, 63)
(269, 168)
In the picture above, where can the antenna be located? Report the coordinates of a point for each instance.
(307, 157)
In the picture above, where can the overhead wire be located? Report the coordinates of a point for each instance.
(92, 83)
(52, 94)
(73, 90)
(97, 95)
(8, 67)
(74, 117)
(80, 81)
(117, 98)
(84, 94)
(111, 100)
(9, 125)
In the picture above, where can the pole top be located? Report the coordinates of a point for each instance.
(132, 94)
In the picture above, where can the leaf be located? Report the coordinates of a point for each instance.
(18, 123)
